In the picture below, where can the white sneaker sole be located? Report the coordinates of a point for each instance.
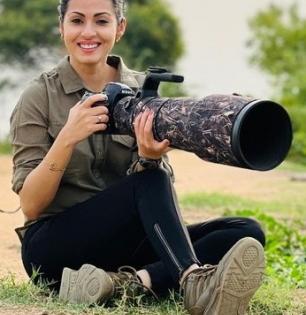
(240, 275)
(88, 285)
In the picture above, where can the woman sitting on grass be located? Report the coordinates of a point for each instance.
(94, 202)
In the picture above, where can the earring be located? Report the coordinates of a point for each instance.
(117, 39)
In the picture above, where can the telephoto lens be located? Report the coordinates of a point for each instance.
(227, 129)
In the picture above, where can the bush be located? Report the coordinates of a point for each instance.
(285, 249)
(298, 149)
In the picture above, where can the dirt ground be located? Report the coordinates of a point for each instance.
(192, 174)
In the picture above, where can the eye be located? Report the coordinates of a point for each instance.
(102, 22)
(76, 21)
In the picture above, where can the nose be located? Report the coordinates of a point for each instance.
(88, 30)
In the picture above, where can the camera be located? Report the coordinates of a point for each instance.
(231, 129)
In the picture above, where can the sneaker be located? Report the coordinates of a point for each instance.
(227, 288)
(87, 285)
(128, 284)
(91, 285)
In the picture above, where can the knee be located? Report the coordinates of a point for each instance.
(154, 175)
(255, 230)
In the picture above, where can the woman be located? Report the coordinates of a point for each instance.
(85, 217)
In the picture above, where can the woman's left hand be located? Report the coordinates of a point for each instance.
(148, 147)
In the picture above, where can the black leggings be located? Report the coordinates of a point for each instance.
(134, 222)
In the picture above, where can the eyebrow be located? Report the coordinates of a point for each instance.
(95, 15)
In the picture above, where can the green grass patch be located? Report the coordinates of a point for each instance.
(292, 166)
(289, 208)
(272, 299)
(269, 299)
(40, 298)
(214, 201)
(5, 147)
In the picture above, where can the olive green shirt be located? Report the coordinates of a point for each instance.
(41, 113)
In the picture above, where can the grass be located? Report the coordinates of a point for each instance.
(288, 165)
(284, 207)
(267, 300)
(26, 295)
(5, 147)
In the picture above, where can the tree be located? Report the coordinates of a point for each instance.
(29, 29)
(279, 48)
(152, 37)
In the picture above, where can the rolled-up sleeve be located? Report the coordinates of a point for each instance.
(29, 132)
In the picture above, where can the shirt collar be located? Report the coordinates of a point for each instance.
(72, 83)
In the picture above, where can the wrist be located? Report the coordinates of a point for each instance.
(66, 139)
(149, 163)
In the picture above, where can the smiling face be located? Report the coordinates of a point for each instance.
(90, 29)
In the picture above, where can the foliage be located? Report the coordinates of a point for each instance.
(25, 28)
(279, 48)
(152, 36)
(29, 30)
(285, 250)
(298, 150)
(172, 90)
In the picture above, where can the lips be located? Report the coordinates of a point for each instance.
(88, 46)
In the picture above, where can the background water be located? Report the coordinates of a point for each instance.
(216, 59)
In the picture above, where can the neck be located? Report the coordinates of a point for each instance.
(95, 76)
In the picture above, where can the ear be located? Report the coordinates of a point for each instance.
(121, 29)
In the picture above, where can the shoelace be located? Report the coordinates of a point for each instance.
(129, 275)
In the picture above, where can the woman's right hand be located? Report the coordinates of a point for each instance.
(84, 119)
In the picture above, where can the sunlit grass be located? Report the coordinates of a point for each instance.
(285, 207)
(5, 147)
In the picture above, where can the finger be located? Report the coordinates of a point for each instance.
(91, 100)
(162, 146)
(98, 110)
(142, 124)
(148, 133)
(100, 119)
(136, 125)
(99, 127)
